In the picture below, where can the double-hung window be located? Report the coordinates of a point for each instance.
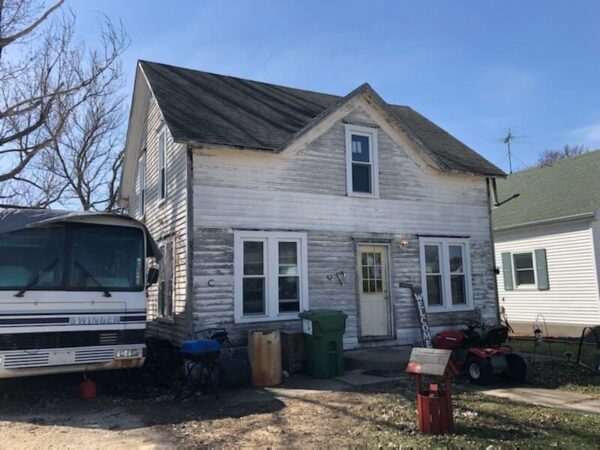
(270, 275)
(524, 269)
(142, 184)
(162, 165)
(445, 274)
(166, 282)
(362, 171)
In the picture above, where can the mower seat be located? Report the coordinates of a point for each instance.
(495, 335)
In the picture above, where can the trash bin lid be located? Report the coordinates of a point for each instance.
(326, 319)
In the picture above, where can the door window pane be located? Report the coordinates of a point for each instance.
(360, 148)
(253, 258)
(254, 296)
(372, 272)
(361, 178)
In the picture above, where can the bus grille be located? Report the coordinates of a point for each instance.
(19, 360)
(65, 339)
(94, 355)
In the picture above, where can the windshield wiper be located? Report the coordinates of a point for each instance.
(33, 281)
(89, 274)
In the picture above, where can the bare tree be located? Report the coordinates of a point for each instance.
(52, 91)
(548, 157)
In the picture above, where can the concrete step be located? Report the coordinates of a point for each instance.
(392, 359)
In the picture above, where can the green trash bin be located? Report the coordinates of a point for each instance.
(323, 337)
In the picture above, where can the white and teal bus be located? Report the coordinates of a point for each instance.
(72, 291)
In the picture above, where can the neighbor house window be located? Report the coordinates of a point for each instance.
(362, 176)
(270, 275)
(445, 274)
(142, 184)
(166, 280)
(524, 269)
(162, 165)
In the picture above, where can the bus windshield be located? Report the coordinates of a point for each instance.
(79, 257)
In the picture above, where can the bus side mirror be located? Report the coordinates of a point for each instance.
(152, 277)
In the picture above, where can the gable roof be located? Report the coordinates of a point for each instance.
(207, 108)
(568, 188)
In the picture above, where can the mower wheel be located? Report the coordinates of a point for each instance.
(480, 370)
(516, 368)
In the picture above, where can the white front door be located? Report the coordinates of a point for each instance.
(373, 291)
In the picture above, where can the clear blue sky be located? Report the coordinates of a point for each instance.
(473, 67)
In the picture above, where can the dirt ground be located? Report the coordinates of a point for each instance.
(45, 413)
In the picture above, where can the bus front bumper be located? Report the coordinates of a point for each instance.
(23, 363)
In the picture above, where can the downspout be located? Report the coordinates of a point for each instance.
(493, 200)
(190, 242)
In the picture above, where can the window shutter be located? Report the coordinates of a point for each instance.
(541, 267)
(507, 271)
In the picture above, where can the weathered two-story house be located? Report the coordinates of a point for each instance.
(268, 200)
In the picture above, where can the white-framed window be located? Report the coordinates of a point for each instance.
(271, 275)
(446, 274)
(142, 183)
(362, 166)
(166, 280)
(162, 165)
(524, 269)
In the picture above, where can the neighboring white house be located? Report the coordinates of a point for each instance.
(547, 244)
(268, 201)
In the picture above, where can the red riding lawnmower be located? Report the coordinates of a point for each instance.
(484, 353)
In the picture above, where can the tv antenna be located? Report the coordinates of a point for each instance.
(507, 139)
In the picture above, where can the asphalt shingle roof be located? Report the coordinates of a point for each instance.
(567, 188)
(201, 107)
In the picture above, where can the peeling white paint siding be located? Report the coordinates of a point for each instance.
(573, 298)
(305, 190)
(166, 219)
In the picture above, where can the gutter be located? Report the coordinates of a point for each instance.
(492, 200)
(581, 216)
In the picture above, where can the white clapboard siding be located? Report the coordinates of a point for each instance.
(572, 273)
(596, 237)
(305, 190)
(166, 220)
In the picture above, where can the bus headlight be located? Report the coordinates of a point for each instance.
(1, 359)
(128, 353)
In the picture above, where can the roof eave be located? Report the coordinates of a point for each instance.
(574, 217)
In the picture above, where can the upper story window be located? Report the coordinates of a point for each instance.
(446, 274)
(162, 165)
(142, 183)
(362, 171)
(270, 275)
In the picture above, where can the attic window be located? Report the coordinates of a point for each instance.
(362, 177)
